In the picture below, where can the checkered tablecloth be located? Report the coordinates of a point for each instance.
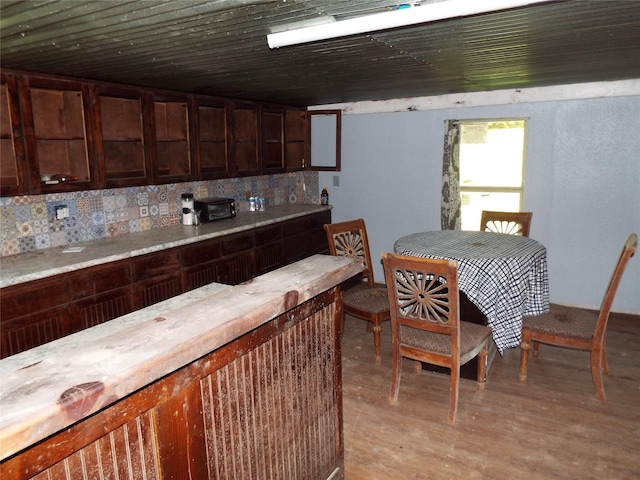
(505, 276)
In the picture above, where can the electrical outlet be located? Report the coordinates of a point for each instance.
(62, 212)
(336, 181)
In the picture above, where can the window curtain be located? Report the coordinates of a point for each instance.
(450, 213)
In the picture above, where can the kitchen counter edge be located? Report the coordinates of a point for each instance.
(26, 267)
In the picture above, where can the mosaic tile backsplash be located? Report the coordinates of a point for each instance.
(29, 223)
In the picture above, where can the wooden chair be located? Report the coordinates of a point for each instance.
(364, 298)
(425, 321)
(512, 223)
(577, 328)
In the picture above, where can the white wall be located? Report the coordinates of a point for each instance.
(582, 184)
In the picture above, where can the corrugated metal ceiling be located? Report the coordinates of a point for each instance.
(220, 48)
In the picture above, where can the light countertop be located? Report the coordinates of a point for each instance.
(107, 362)
(26, 267)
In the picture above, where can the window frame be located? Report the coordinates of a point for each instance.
(498, 189)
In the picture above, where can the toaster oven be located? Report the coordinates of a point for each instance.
(215, 208)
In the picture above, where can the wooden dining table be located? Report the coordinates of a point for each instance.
(504, 276)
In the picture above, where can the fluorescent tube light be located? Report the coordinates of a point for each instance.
(392, 19)
(312, 22)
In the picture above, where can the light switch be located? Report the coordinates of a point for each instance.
(336, 181)
(62, 212)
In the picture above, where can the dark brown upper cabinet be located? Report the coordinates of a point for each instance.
(273, 125)
(88, 135)
(244, 140)
(296, 140)
(211, 126)
(171, 146)
(13, 166)
(57, 122)
(326, 140)
(121, 149)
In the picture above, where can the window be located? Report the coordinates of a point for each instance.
(491, 167)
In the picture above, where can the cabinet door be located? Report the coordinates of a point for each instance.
(57, 121)
(153, 265)
(305, 236)
(201, 275)
(33, 330)
(272, 123)
(172, 154)
(98, 309)
(88, 282)
(156, 290)
(269, 251)
(211, 127)
(120, 139)
(238, 261)
(245, 140)
(14, 178)
(28, 298)
(296, 135)
(237, 268)
(317, 236)
(325, 144)
(33, 314)
(157, 277)
(200, 264)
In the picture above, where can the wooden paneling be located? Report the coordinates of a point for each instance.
(273, 412)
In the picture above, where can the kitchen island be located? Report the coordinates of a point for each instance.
(220, 382)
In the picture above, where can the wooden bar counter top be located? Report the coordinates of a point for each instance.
(215, 380)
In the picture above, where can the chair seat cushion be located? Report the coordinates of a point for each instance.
(372, 300)
(563, 321)
(471, 335)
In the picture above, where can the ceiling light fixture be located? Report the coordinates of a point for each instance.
(392, 19)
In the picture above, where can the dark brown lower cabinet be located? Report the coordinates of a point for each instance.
(101, 308)
(41, 311)
(237, 268)
(32, 330)
(156, 290)
(273, 412)
(239, 258)
(269, 257)
(200, 275)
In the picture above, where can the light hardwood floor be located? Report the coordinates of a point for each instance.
(553, 427)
